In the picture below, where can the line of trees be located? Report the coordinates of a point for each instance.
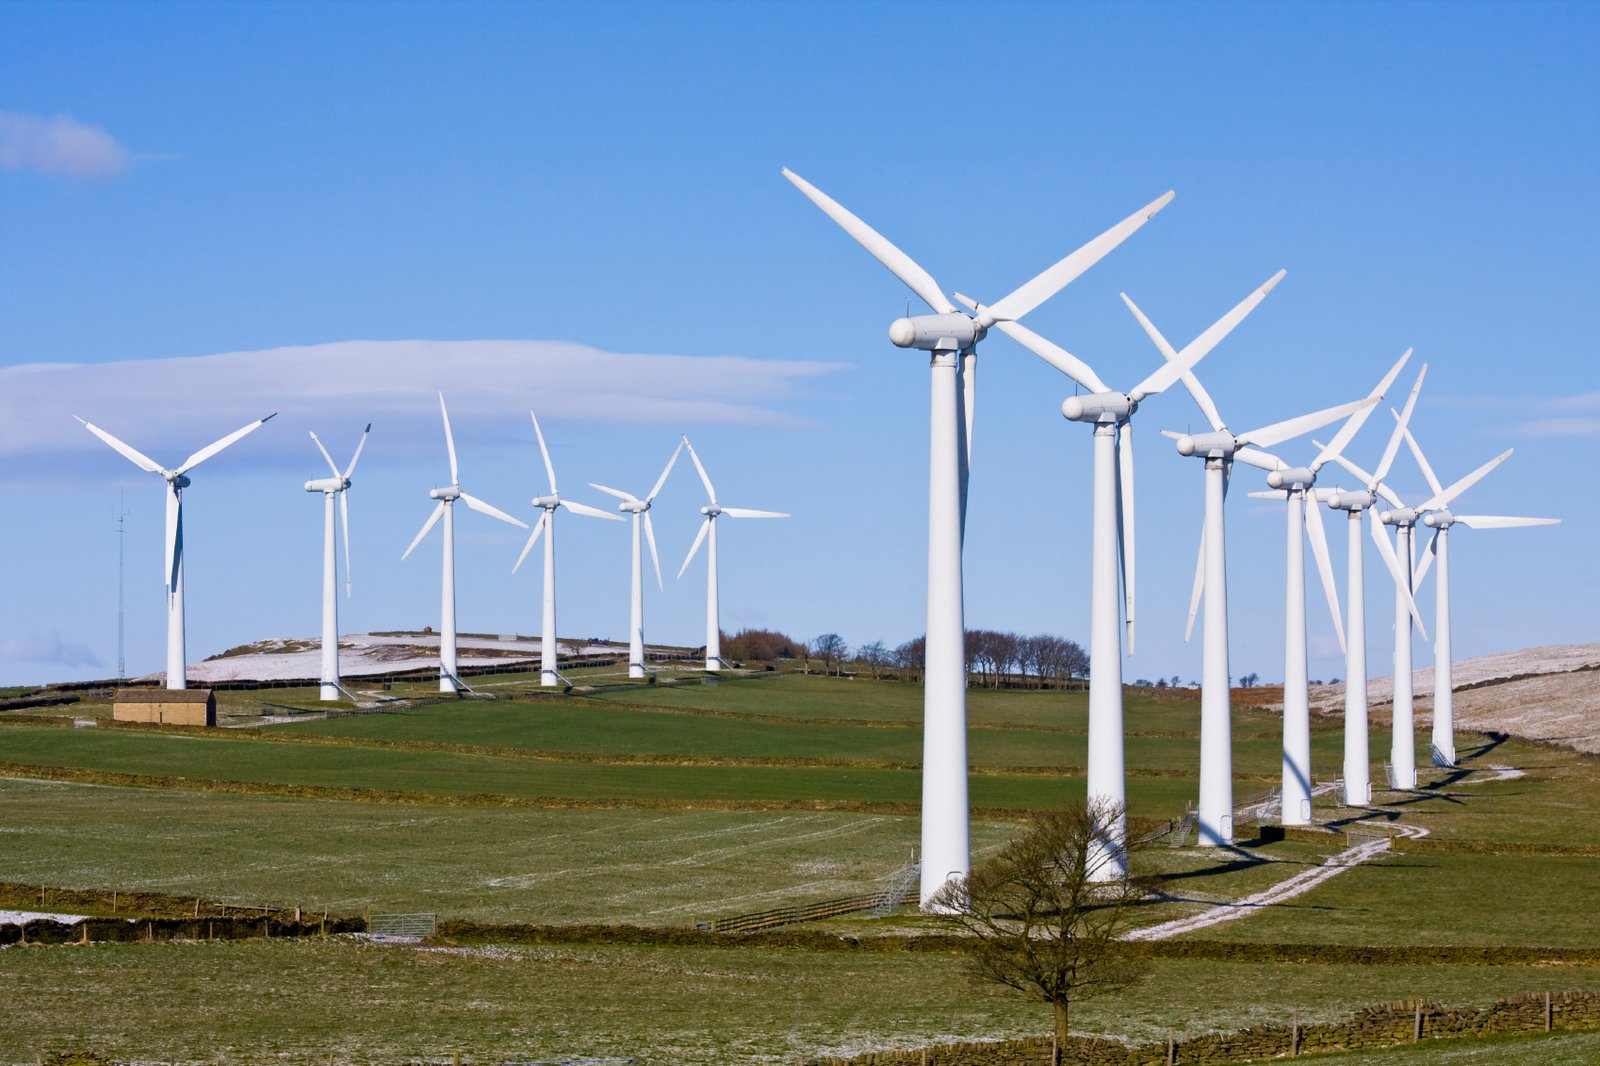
(995, 659)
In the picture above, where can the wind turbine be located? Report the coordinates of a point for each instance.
(1357, 761)
(337, 485)
(1294, 485)
(548, 675)
(640, 509)
(1440, 521)
(449, 680)
(1402, 749)
(177, 480)
(714, 661)
(1110, 413)
(1220, 448)
(950, 338)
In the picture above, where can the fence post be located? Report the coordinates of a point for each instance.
(1294, 1036)
(1416, 1023)
(1549, 1013)
(1172, 1049)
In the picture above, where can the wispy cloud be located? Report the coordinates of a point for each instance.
(47, 649)
(1558, 427)
(58, 144)
(167, 407)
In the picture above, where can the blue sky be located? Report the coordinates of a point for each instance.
(184, 181)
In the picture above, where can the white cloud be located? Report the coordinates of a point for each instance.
(58, 144)
(47, 649)
(168, 407)
(1558, 427)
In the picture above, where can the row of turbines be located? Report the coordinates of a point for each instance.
(337, 485)
(951, 336)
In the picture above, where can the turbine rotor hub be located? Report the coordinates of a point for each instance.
(176, 480)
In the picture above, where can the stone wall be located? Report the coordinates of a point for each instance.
(1382, 1026)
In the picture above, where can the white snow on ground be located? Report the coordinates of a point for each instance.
(367, 653)
(18, 917)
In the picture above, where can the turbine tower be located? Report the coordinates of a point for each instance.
(550, 504)
(1402, 744)
(1357, 760)
(1220, 448)
(1111, 413)
(714, 661)
(640, 509)
(1440, 521)
(1295, 485)
(172, 571)
(950, 338)
(337, 485)
(449, 679)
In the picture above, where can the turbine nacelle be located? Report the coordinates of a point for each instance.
(1439, 519)
(1400, 516)
(1100, 407)
(450, 493)
(1217, 445)
(328, 484)
(634, 506)
(711, 510)
(176, 480)
(547, 502)
(1351, 501)
(952, 332)
(1300, 477)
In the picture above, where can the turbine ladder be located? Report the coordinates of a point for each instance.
(902, 885)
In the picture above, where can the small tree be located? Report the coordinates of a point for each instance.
(874, 655)
(911, 658)
(1043, 919)
(831, 649)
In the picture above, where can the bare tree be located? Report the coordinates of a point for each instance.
(911, 657)
(874, 655)
(831, 649)
(1042, 920)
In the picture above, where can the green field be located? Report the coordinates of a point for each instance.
(666, 804)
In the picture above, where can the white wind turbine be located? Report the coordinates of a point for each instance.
(1402, 742)
(708, 528)
(1220, 448)
(337, 485)
(449, 679)
(951, 338)
(1295, 485)
(1440, 521)
(1111, 413)
(640, 509)
(177, 480)
(548, 675)
(1357, 764)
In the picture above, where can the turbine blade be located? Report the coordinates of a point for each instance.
(433, 518)
(1382, 469)
(216, 446)
(1057, 277)
(711, 493)
(1496, 521)
(1422, 461)
(1199, 585)
(1319, 549)
(538, 528)
(449, 442)
(650, 535)
(1278, 432)
(133, 455)
(1371, 483)
(1125, 543)
(544, 453)
(899, 263)
(1258, 458)
(1202, 398)
(490, 510)
(1420, 570)
(174, 534)
(1355, 421)
(745, 512)
(1442, 499)
(344, 522)
(1201, 346)
(662, 480)
(356, 458)
(1055, 355)
(698, 537)
(1392, 560)
(1270, 494)
(592, 512)
(619, 494)
(325, 455)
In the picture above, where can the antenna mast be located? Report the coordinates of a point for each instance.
(122, 516)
